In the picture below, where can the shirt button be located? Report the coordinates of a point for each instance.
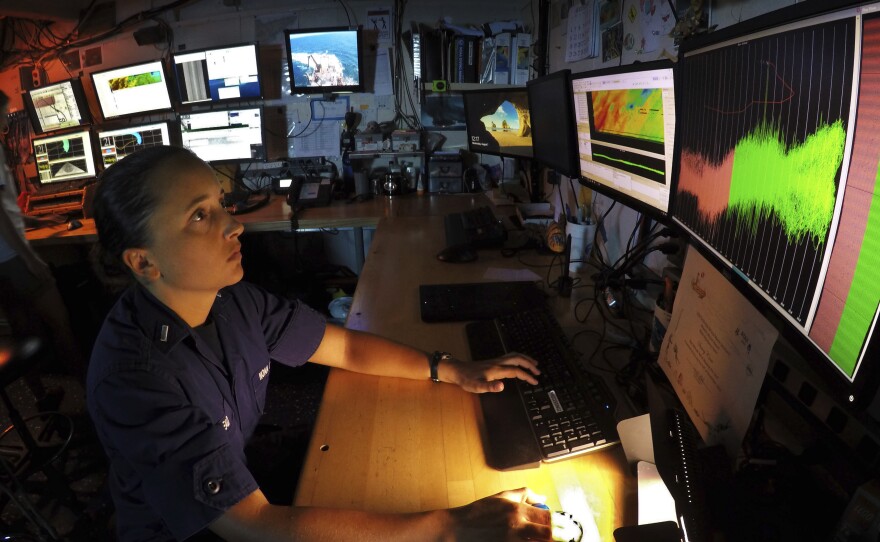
(212, 486)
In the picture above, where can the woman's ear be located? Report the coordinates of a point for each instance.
(140, 261)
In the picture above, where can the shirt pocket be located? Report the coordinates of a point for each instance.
(260, 383)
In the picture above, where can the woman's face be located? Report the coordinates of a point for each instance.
(195, 241)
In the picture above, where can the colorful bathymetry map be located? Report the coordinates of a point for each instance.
(630, 113)
(131, 81)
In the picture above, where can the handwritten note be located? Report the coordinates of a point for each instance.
(715, 353)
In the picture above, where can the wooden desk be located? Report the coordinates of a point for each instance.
(387, 444)
(275, 216)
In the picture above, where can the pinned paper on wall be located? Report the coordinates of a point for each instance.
(379, 21)
(582, 39)
(317, 138)
(382, 85)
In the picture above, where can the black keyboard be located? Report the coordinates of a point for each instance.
(476, 300)
(474, 228)
(568, 413)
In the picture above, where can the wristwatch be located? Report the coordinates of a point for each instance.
(434, 361)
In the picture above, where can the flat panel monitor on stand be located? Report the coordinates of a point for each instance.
(132, 90)
(57, 106)
(64, 161)
(325, 60)
(779, 182)
(219, 74)
(626, 133)
(231, 135)
(65, 174)
(499, 122)
(554, 135)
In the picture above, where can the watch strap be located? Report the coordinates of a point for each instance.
(434, 362)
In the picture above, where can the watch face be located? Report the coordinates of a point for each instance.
(565, 527)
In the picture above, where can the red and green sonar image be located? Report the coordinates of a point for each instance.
(763, 141)
(801, 195)
(632, 113)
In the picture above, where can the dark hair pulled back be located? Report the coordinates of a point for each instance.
(125, 198)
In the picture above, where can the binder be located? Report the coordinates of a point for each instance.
(432, 45)
(522, 58)
(466, 60)
(502, 59)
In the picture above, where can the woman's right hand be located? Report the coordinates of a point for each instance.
(506, 516)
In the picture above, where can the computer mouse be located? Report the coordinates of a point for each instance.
(457, 255)
(74, 224)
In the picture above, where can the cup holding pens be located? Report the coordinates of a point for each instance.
(582, 236)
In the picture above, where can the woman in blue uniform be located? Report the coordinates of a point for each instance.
(178, 376)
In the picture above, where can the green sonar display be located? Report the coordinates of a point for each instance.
(802, 193)
(864, 292)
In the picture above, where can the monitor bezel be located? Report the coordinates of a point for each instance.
(337, 89)
(493, 89)
(263, 132)
(81, 102)
(634, 203)
(572, 169)
(172, 128)
(68, 184)
(856, 393)
(164, 68)
(226, 101)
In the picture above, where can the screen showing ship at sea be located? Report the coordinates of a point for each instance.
(324, 59)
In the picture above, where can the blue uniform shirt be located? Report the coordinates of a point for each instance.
(174, 418)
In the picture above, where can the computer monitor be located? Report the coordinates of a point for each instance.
(779, 180)
(132, 90)
(498, 121)
(626, 133)
(231, 135)
(554, 139)
(119, 143)
(325, 60)
(57, 106)
(64, 158)
(218, 74)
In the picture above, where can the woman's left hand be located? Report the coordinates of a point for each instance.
(485, 376)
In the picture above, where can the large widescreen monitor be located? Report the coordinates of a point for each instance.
(626, 133)
(119, 143)
(231, 135)
(554, 136)
(217, 75)
(324, 60)
(57, 106)
(132, 90)
(64, 158)
(498, 121)
(779, 179)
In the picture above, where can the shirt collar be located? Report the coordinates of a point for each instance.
(161, 324)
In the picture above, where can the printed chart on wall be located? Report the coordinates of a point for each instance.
(772, 105)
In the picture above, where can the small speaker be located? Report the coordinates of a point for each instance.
(439, 85)
(149, 35)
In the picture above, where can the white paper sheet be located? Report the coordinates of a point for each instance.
(382, 83)
(715, 353)
(316, 140)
